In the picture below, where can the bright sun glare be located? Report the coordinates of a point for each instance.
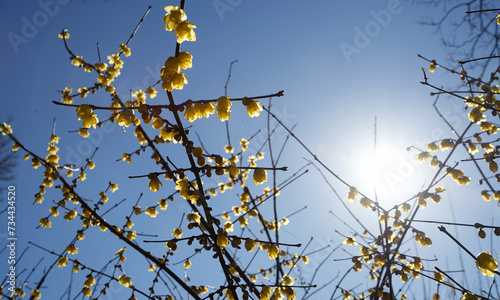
(384, 172)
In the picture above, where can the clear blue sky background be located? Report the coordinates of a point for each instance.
(280, 45)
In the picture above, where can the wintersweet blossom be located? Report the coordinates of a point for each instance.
(224, 108)
(253, 107)
(85, 113)
(174, 17)
(185, 32)
(486, 263)
(259, 176)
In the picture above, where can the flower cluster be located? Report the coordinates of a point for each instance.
(171, 75)
(85, 113)
(175, 20)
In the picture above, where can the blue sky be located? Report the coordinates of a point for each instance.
(340, 65)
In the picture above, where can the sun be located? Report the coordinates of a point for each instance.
(380, 173)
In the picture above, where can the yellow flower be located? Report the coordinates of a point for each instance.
(151, 211)
(265, 293)
(177, 233)
(350, 241)
(185, 32)
(64, 34)
(6, 129)
(70, 215)
(71, 249)
(124, 280)
(35, 294)
(151, 92)
(52, 158)
(45, 222)
(125, 50)
(114, 59)
(486, 263)
(84, 112)
(447, 144)
(229, 149)
(244, 144)
(223, 108)
(222, 241)
(113, 187)
(154, 183)
(90, 281)
(129, 224)
(259, 176)
(365, 202)
(253, 107)
(163, 204)
(287, 280)
(432, 147)
(190, 113)
(63, 261)
(305, 259)
(84, 132)
(290, 293)
(229, 294)
(438, 276)
(174, 17)
(273, 251)
(353, 192)
(233, 171)
(82, 176)
(140, 96)
(194, 217)
(175, 81)
(77, 61)
(249, 245)
(87, 292)
(66, 95)
(187, 264)
(185, 60)
(423, 156)
(172, 66)
(53, 210)
(208, 109)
